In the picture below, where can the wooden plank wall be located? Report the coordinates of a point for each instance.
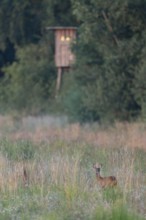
(63, 54)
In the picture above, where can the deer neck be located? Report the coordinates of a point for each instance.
(98, 177)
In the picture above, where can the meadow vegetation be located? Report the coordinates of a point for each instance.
(58, 158)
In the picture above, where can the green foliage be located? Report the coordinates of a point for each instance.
(107, 81)
(140, 88)
(70, 98)
(21, 22)
(60, 13)
(108, 52)
(25, 22)
(28, 84)
(29, 80)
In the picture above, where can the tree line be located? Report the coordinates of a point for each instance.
(107, 81)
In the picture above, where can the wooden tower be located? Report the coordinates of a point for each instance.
(64, 58)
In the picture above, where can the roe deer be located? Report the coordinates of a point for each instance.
(25, 177)
(104, 182)
(15, 177)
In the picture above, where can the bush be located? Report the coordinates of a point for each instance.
(29, 81)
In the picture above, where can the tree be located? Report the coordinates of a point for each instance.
(108, 51)
(29, 81)
(21, 22)
(26, 52)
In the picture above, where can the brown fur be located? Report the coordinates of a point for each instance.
(104, 182)
(25, 177)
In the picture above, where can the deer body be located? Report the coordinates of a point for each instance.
(104, 182)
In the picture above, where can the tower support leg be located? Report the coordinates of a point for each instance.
(58, 83)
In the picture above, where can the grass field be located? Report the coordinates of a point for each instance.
(58, 158)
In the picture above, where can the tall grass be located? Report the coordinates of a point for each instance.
(62, 183)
